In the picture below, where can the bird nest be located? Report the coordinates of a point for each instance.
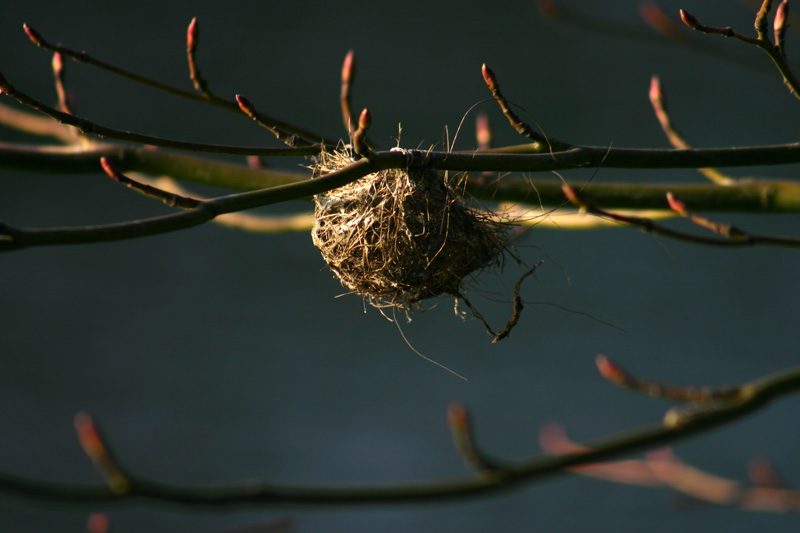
(399, 236)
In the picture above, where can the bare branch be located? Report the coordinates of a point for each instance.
(231, 105)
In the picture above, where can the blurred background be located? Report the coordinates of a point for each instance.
(212, 355)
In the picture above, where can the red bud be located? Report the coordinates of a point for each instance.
(676, 204)
(609, 370)
(365, 119)
(348, 67)
(245, 105)
(33, 35)
(489, 77)
(193, 35)
(689, 20)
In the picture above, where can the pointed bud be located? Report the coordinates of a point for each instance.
(610, 370)
(489, 77)
(458, 418)
(780, 24)
(92, 444)
(677, 205)
(656, 95)
(193, 35)
(689, 20)
(33, 35)
(573, 196)
(58, 64)
(781, 15)
(349, 67)
(245, 105)
(364, 120)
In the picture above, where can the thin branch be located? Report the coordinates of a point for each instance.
(661, 468)
(762, 41)
(61, 91)
(524, 129)
(12, 238)
(620, 377)
(95, 447)
(726, 230)
(231, 105)
(172, 200)
(289, 139)
(678, 424)
(463, 433)
(658, 101)
(360, 145)
(348, 76)
(87, 126)
(192, 41)
(733, 240)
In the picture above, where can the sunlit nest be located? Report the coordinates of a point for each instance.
(400, 236)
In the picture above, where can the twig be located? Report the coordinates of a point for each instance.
(726, 230)
(348, 76)
(96, 449)
(619, 376)
(360, 145)
(192, 41)
(58, 76)
(172, 200)
(658, 101)
(774, 51)
(231, 105)
(518, 306)
(664, 32)
(87, 126)
(518, 124)
(461, 428)
(661, 468)
(752, 396)
(735, 239)
(287, 138)
(12, 238)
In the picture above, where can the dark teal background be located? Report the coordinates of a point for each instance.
(212, 355)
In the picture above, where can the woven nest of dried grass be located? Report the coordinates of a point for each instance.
(399, 236)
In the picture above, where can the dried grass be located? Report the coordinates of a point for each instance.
(400, 236)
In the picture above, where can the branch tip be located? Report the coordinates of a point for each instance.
(677, 205)
(95, 448)
(364, 120)
(656, 94)
(34, 35)
(349, 67)
(489, 77)
(690, 20)
(192, 35)
(610, 370)
(246, 105)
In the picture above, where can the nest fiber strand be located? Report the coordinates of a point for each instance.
(399, 236)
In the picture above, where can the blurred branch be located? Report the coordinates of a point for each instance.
(679, 423)
(661, 468)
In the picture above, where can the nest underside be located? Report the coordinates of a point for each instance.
(400, 236)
